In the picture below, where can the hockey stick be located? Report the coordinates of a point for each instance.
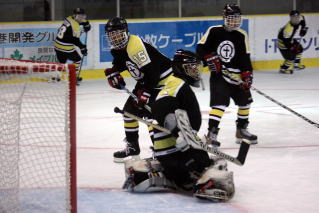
(147, 107)
(78, 78)
(227, 73)
(118, 110)
(239, 160)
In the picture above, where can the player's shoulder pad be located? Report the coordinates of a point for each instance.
(172, 86)
(246, 38)
(288, 30)
(137, 51)
(211, 29)
(75, 27)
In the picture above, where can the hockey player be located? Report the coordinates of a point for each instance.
(226, 49)
(67, 43)
(290, 48)
(146, 65)
(176, 164)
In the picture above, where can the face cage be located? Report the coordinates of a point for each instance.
(232, 22)
(117, 39)
(80, 18)
(295, 19)
(192, 70)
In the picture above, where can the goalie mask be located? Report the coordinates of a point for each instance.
(295, 17)
(116, 31)
(79, 15)
(186, 66)
(232, 17)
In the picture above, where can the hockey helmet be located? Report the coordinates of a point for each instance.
(116, 30)
(79, 15)
(232, 17)
(186, 66)
(294, 17)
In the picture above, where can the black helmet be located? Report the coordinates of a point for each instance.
(295, 17)
(79, 15)
(294, 13)
(232, 16)
(116, 31)
(116, 23)
(186, 66)
(77, 11)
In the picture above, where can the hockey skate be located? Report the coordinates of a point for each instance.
(299, 67)
(242, 133)
(130, 152)
(286, 71)
(211, 137)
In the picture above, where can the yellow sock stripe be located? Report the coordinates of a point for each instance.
(216, 112)
(131, 124)
(243, 112)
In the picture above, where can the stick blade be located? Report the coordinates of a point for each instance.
(243, 150)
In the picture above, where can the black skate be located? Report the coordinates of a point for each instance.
(299, 67)
(130, 152)
(211, 137)
(243, 133)
(286, 71)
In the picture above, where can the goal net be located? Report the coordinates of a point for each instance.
(37, 137)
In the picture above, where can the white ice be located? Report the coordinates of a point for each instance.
(281, 173)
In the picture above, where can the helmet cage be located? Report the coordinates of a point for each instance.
(295, 19)
(232, 22)
(117, 39)
(192, 70)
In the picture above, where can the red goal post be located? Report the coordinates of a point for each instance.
(37, 136)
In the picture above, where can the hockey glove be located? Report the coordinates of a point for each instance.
(143, 97)
(84, 51)
(296, 48)
(213, 62)
(114, 78)
(303, 31)
(86, 26)
(247, 78)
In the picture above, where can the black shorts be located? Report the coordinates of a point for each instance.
(221, 92)
(63, 56)
(290, 55)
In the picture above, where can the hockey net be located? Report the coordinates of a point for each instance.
(37, 137)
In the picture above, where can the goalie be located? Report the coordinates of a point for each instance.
(176, 163)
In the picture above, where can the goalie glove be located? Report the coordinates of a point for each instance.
(247, 78)
(114, 78)
(213, 62)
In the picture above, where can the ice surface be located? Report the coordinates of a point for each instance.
(281, 173)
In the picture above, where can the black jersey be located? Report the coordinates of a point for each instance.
(175, 95)
(68, 36)
(287, 33)
(232, 47)
(145, 64)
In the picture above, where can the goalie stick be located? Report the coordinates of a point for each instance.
(228, 74)
(191, 138)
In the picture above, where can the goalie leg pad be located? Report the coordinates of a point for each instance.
(145, 176)
(216, 185)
